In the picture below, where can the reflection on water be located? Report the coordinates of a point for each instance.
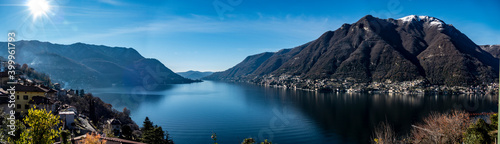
(235, 111)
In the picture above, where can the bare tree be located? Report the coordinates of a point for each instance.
(441, 128)
(384, 134)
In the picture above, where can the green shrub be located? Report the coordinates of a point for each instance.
(494, 121)
(65, 135)
(474, 136)
(477, 133)
(494, 126)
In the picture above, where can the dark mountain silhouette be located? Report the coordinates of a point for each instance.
(85, 66)
(376, 50)
(194, 74)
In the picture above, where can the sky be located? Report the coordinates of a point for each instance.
(214, 35)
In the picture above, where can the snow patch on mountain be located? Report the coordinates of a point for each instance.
(431, 20)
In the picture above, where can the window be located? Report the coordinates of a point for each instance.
(26, 106)
(17, 97)
(25, 97)
(18, 106)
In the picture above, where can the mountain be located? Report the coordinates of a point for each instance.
(258, 64)
(82, 65)
(194, 74)
(247, 66)
(492, 49)
(377, 50)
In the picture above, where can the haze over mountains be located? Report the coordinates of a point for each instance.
(194, 74)
(377, 50)
(84, 66)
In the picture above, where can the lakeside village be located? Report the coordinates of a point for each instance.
(351, 85)
(80, 114)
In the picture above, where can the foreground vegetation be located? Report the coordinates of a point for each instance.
(450, 127)
(42, 127)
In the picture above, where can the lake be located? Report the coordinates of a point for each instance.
(191, 112)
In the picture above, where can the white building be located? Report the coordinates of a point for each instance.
(68, 117)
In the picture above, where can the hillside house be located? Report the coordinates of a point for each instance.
(68, 118)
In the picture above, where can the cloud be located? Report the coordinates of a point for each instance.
(299, 26)
(112, 2)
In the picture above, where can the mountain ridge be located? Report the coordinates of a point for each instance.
(82, 65)
(195, 75)
(376, 50)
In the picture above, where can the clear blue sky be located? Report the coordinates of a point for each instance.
(192, 34)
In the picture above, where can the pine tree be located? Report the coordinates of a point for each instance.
(147, 125)
(147, 131)
(159, 135)
(154, 134)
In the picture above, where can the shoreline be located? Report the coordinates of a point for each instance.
(350, 86)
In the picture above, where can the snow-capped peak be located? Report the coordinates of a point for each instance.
(410, 18)
(431, 20)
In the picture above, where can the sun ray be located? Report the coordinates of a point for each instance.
(38, 8)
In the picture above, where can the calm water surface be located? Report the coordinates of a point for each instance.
(191, 112)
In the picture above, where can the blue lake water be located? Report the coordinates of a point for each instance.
(191, 112)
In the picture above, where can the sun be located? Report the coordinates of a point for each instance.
(38, 8)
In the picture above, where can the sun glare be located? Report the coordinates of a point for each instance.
(38, 7)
